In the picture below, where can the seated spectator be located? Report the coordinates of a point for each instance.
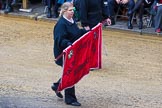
(128, 3)
(140, 7)
(7, 5)
(3, 4)
(158, 17)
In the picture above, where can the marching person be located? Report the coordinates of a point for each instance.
(92, 12)
(65, 33)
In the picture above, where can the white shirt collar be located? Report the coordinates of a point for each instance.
(71, 20)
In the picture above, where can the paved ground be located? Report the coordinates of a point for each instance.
(131, 76)
(39, 14)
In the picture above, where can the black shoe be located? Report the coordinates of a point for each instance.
(140, 25)
(130, 25)
(56, 15)
(53, 87)
(49, 16)
(74, 104)
(8, 9)
(49, 13)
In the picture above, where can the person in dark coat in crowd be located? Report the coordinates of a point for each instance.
(55, 9)
(76, 4)
(140, 6)
(49, 4)
(92, 12)
(158, 16)
(56, 5)
(8, 7)
(113, 4)
(65, 33)
(3, 4)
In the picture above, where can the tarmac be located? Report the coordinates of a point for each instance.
(38, 12)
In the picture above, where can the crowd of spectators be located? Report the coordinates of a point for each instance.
(134, 7)
(8, 5)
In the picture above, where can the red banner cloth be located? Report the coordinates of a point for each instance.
(96, 47)
(83, 54)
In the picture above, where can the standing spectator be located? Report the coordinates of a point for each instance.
(76, 4)
(113, 4)
(158, 16)
(92, 12)
(56, 5)
(66, 32)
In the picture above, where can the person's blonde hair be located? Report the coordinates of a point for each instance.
(65, 6)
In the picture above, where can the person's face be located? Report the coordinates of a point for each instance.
(70, 12)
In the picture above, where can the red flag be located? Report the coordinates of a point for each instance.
(96, 46)
(83, 54)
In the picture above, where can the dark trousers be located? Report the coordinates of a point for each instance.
(55, 5)
(50, 3)
(113, 5)
(69, 93)
(8, 2)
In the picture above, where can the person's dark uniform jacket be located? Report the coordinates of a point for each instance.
(92, 12)
(65, 33)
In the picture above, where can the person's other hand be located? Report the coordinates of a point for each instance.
(108, 21)
(87, 28)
